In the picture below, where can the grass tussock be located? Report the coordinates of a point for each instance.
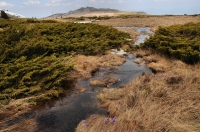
(87, 65)
(132, 31)
(165, 101)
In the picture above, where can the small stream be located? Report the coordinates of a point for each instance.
(64, 114)
(144, 33)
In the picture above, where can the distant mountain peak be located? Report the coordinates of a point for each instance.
(82, 11)
(93, 9)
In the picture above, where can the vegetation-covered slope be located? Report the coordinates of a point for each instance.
(178, 41)
(35, 55)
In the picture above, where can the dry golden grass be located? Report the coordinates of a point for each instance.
(138, 61)
(132, 31)
(86, 65)
(24, 126)
(104, 82)
(167, 101)
(82, 90)
(1, 30)
(154, 61)
(97, 83)
(151, 21)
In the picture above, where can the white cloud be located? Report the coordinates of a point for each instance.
(32, 2)
(5, 4)
(92, 0)
(58, 3)
(68, 4)
(120, 1)
(51, 4)
(161, 0)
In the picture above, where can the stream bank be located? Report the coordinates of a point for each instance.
(69, 111)
(65, 114)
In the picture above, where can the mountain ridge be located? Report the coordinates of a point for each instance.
(83, 11)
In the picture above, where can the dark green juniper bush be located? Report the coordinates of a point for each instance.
(35, 55)
(178, 41)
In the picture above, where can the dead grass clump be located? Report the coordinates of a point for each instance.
(1, 30)
(103, 83)
(154, 61)
(152, 58)
(168, 101)
(140, 53)
(82, 90)
(110, 94)
(132, 31)
(138, 61)
(87, 65)
(111, 80)
(26, 125)
(174, 80)
(156, 67)
(97, 83)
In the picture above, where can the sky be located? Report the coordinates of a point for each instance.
(44, 8)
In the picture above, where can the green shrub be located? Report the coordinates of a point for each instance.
(33, 53)
(4, 15)
(179, 41)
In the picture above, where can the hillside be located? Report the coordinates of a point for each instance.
(82, 11)
(90, 11)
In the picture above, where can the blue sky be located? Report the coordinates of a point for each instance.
(43, 8)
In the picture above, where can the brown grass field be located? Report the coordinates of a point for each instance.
(149, 21)
(167, 101)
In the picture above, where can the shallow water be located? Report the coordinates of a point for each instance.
(144, 33)
(65, 114)
(69, 111)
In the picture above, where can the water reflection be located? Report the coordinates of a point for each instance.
(144, 33)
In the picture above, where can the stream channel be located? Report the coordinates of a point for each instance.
(64, 114)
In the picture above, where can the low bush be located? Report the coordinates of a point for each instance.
(178, 41)
(35, 55)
